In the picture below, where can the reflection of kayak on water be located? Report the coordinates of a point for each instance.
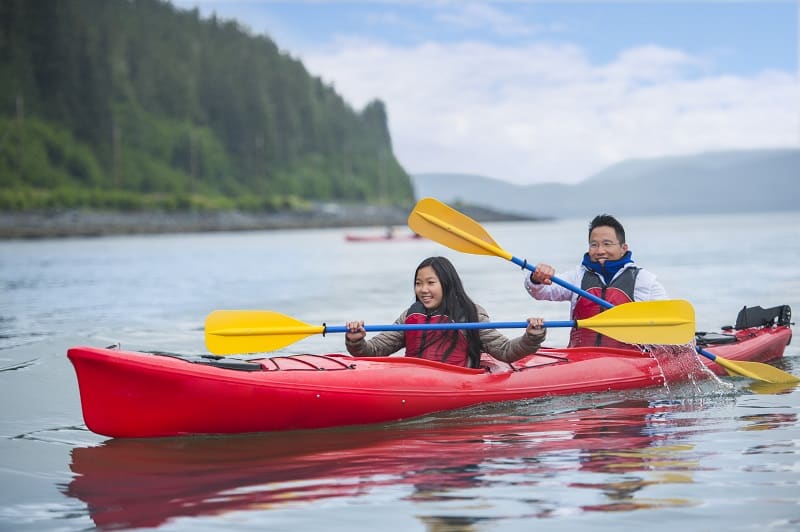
(381, 238)
(134, 483)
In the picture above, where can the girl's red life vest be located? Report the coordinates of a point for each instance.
(433, 345)
(619, 291)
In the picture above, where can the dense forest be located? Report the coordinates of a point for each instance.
(137, 105)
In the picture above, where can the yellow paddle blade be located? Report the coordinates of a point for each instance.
(646, 322)
(253, 331)
(438, 222)
(757, 371)
(772, 388)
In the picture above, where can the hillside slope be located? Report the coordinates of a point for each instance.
(714, 182)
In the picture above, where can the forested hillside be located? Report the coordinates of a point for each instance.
(138, 105)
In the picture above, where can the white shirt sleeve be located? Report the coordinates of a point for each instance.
(555, 292)
(648, 288)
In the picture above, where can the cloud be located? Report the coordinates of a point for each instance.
(480, 15)
(544, 113)
(468, 90)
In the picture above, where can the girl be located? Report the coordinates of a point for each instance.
(440, 297)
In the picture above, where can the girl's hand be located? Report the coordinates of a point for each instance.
(355, 331)
(535, 326)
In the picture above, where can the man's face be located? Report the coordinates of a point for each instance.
(604, 245)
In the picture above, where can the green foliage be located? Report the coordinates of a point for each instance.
(137, 105)
(46, 156)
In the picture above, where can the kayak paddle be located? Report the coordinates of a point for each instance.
(250, 331)
(436, 221)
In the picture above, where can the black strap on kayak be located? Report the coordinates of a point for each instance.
(706, 338)
(215, 361)
(231, 363)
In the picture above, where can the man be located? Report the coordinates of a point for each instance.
(607, 271)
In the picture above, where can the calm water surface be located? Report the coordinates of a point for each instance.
(707, 456)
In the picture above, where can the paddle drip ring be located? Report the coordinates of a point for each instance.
(524, 264)
(324, 328)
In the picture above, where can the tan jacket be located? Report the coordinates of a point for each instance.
(493, 342)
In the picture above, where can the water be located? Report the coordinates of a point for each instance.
(709, 455)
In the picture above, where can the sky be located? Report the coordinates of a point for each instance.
(535, 92)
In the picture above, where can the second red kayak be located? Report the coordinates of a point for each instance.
(381, 238)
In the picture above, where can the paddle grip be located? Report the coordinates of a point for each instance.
(572, 288)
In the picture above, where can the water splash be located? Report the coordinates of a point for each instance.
(683, 360)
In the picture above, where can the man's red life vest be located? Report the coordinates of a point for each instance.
(619, 291)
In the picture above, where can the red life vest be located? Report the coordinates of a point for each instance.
(433, 345)
(619, 291)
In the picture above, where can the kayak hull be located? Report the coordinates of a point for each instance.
(129, 394)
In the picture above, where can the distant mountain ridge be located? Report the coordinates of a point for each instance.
(711, 182)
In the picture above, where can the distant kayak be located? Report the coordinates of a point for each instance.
(381, 238)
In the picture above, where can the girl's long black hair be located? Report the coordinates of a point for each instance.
(456, 305)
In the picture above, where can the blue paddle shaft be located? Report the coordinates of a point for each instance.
(708, 354)
(449, 326)
(571, 287)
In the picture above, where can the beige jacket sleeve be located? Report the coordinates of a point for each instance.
(381, 345)
(493, 342)
(504, 349)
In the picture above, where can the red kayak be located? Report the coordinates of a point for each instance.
(380, 238)
(133, 395)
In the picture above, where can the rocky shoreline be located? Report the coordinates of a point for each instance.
(29, 225)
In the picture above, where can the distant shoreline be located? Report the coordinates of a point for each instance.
(74, 223)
